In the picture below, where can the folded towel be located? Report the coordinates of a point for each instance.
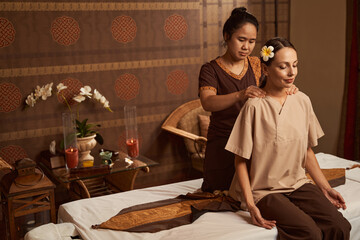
(353, 174)
(62, 231)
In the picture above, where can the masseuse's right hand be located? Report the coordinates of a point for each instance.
(258, 220)
(253, 91)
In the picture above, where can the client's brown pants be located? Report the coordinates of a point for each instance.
(304, 214)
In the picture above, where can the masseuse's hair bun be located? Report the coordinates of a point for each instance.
(238, 11)
(239, 16)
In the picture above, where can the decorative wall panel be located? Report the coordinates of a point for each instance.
(143, 53)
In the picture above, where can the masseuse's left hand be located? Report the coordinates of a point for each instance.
(335, 198)
(292, 90)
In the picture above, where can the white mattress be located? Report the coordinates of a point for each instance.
(210, 226)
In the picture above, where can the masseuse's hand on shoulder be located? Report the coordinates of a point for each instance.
(212, 102)
(252, 92)
(292, 90)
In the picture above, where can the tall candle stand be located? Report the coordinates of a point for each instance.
(70, 147)
(132, 140)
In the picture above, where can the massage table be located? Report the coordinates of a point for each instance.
(210, 226)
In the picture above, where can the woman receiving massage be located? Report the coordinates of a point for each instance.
(272, 139)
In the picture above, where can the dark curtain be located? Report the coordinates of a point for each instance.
(349, 144)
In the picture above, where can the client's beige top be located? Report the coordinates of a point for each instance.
(275, 138)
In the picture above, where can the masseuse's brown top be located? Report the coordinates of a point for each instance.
(275, 138)
(216, 77)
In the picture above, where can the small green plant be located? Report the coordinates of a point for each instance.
(84, 129)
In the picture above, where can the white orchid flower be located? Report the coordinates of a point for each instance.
(60, 87)
(97, 95)
(106, 104)
(86, 91)
(42, 93)
(47, 91)
(30, 100)
(79, 98)
(267, 52)
(49, 86)
(38, 92)
(102, 100)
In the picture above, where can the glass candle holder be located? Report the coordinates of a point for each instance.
(132, 140)
(70, 143)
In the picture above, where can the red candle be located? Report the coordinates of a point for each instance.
(132, 146)
(72, 157)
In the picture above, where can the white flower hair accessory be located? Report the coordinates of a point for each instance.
(267, 52)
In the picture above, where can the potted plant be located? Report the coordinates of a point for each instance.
(85, 132)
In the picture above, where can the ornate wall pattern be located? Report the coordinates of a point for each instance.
(143, 53)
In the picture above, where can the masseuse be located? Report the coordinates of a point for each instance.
(224, 86)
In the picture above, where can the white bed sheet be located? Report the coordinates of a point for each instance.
(210, 226)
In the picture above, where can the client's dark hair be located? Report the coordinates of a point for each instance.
(239, 16)
(277, 43)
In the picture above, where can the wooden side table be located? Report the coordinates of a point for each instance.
(23, 200)
(110, 183)
(86, 182)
